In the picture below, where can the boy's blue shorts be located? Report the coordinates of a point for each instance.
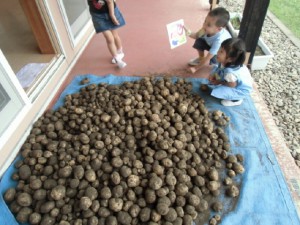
(201, 45)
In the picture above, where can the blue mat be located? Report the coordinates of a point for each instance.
(264, 198)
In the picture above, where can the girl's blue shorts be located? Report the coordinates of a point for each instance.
(103, 22)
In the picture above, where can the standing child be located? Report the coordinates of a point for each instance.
(107, 18)
(209, 37)
(230, 80)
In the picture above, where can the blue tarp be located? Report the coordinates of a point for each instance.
(264, 197)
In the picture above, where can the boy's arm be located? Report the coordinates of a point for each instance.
(193, 35)
(111, 10)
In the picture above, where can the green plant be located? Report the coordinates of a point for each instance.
(258, 51)
(235, 21)
(287, 11)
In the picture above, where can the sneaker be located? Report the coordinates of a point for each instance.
(194, 62)
(120, 56)
(231, 103)
(121, 64)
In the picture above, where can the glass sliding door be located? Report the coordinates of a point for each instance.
(76, 16)
(11, 101)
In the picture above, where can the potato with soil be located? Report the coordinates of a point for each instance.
(58, 192)
(9, 195)
(146, 151)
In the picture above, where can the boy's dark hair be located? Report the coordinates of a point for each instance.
(235, 49)
(222, 16)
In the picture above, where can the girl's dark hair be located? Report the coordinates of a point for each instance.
(222, 16)
(236, 50)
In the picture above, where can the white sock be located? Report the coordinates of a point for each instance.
(121, 64)
(120, 51)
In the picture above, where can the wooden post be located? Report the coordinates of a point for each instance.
(38, 27)
(214, 4)
(251, 25)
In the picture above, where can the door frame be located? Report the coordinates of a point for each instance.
(74, 40)
(17, 94)
(35, 20)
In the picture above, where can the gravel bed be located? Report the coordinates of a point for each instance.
(279, 83)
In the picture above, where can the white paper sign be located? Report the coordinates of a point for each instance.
(176, 33)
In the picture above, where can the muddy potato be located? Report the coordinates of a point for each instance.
(155, 216)
(63, 222)
(85, 203)
(187, 219)
(150, 196)
(104, 212)
(162, 208)
(65, 172)
(24, 172)
(35, 184)
(47, 220)
(161, 173)
(238, 168)
(58, 192)
(213, 221)
(23, 215)
(40, 194)
(145, 214)
(124, 217)
(158, 169)
(155, 182)
(171, 179)
(171, 215)
(203, 206)
(231, 159)
(24, 199)
(90, 175)
(118, 191)
(162, 191)
(240, 158)
(213, 185)
(134, 210)
(35, 218)
(111, 220)
(231, 173)
(133, 180)
(115, 204)
(46, 207)
(181, 189)
(9, 195)
(125, 171)
(91, 193)
(193, 200)
(217, 206)
(233, 191)
(178, 221)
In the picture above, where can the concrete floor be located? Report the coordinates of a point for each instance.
(147, 50)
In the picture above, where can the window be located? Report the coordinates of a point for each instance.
(76, 16)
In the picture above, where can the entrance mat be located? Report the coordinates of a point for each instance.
(264, 196)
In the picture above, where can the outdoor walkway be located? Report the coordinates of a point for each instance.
(147, 51)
